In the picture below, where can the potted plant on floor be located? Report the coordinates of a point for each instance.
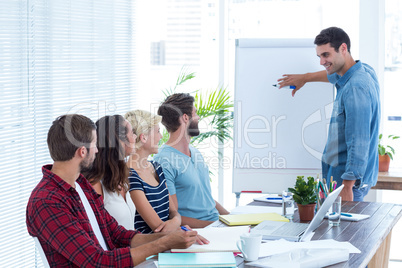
(304, 194)
(385, 153)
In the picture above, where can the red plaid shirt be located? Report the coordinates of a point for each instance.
(57, 217)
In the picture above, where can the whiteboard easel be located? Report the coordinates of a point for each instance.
(276, 136)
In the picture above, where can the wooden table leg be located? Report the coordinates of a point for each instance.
(381, 257)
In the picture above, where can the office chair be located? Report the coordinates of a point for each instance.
(41, 252)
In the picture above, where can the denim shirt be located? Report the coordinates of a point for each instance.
(351, 152)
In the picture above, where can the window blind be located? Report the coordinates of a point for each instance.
(56, 57)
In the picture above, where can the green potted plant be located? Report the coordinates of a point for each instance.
(385, 153)
(304, 194)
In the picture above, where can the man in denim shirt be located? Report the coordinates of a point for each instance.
(350, 155)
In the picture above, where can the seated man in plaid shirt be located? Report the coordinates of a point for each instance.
(68, 216)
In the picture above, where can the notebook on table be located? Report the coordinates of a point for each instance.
(352, 216)
(270, 198)
(251, 219)
(210, 259)
(291, 231)
(220, 239)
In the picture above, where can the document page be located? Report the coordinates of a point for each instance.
(220, 239)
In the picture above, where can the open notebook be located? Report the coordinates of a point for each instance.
(271, 230)
(220, 239)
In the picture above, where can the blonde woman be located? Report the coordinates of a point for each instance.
(155, 211)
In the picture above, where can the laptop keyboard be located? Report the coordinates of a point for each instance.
(291, 229)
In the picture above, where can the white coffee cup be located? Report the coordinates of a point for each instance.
(249, 245)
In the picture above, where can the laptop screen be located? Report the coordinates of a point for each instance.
(319, 216)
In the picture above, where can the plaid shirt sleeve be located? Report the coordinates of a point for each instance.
(63, 236)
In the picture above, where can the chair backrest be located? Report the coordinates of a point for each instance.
(41, 252)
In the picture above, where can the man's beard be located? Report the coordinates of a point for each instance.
(86, 164)
(193, 129)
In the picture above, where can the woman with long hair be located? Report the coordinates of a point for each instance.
(109, 173)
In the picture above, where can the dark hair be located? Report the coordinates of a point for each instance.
(109, 164)
(67, 134)
(334, 36)
(173, 108)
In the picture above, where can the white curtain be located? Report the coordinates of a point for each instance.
(56, 57)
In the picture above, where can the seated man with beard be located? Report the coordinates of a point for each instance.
(185, 170)
(68, 217)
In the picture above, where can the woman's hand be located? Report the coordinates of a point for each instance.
(168, 226)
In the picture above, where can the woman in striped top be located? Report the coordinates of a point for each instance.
(155, 212)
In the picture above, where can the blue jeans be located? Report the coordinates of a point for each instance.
(359, 194)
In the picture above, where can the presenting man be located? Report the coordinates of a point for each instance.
(350, 155)
(185, 170)
(68, 217)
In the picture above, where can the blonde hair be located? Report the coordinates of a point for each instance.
(142, 122)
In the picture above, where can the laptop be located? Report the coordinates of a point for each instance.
(292, 231)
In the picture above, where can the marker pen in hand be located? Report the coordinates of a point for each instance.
(288, 87)
(184, 228)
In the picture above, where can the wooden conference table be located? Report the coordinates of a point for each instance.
(372, 236)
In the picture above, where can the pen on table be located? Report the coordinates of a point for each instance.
(184, 228)
(274, 198)
(346, 214)
(291, 87)
(342, 214)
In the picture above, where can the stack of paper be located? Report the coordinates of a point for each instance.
(304, 258)
(270, 198)
(220, 239)
(317, 253)
(211, 259)
(281, 246)
(251, 219)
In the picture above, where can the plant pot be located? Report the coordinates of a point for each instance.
(383, 163)
(306, 212)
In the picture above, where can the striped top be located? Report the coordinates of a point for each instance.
(158, 197)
